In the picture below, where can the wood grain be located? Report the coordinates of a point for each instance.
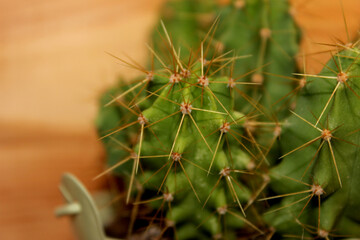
(53, 66)
(322, 21)
(52, 69)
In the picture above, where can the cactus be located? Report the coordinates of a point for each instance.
(263, 29)
(196, 147)
(320, 142)
(184, 122)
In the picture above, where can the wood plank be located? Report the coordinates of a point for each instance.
(53, 67)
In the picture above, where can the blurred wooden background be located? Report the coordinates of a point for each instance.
(53, 68)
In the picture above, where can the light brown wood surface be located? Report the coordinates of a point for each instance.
(53, 68)
(322, 22)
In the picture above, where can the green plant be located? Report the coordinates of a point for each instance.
(261, 29)
(199, 148)
(321, 145)
(184, 124)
